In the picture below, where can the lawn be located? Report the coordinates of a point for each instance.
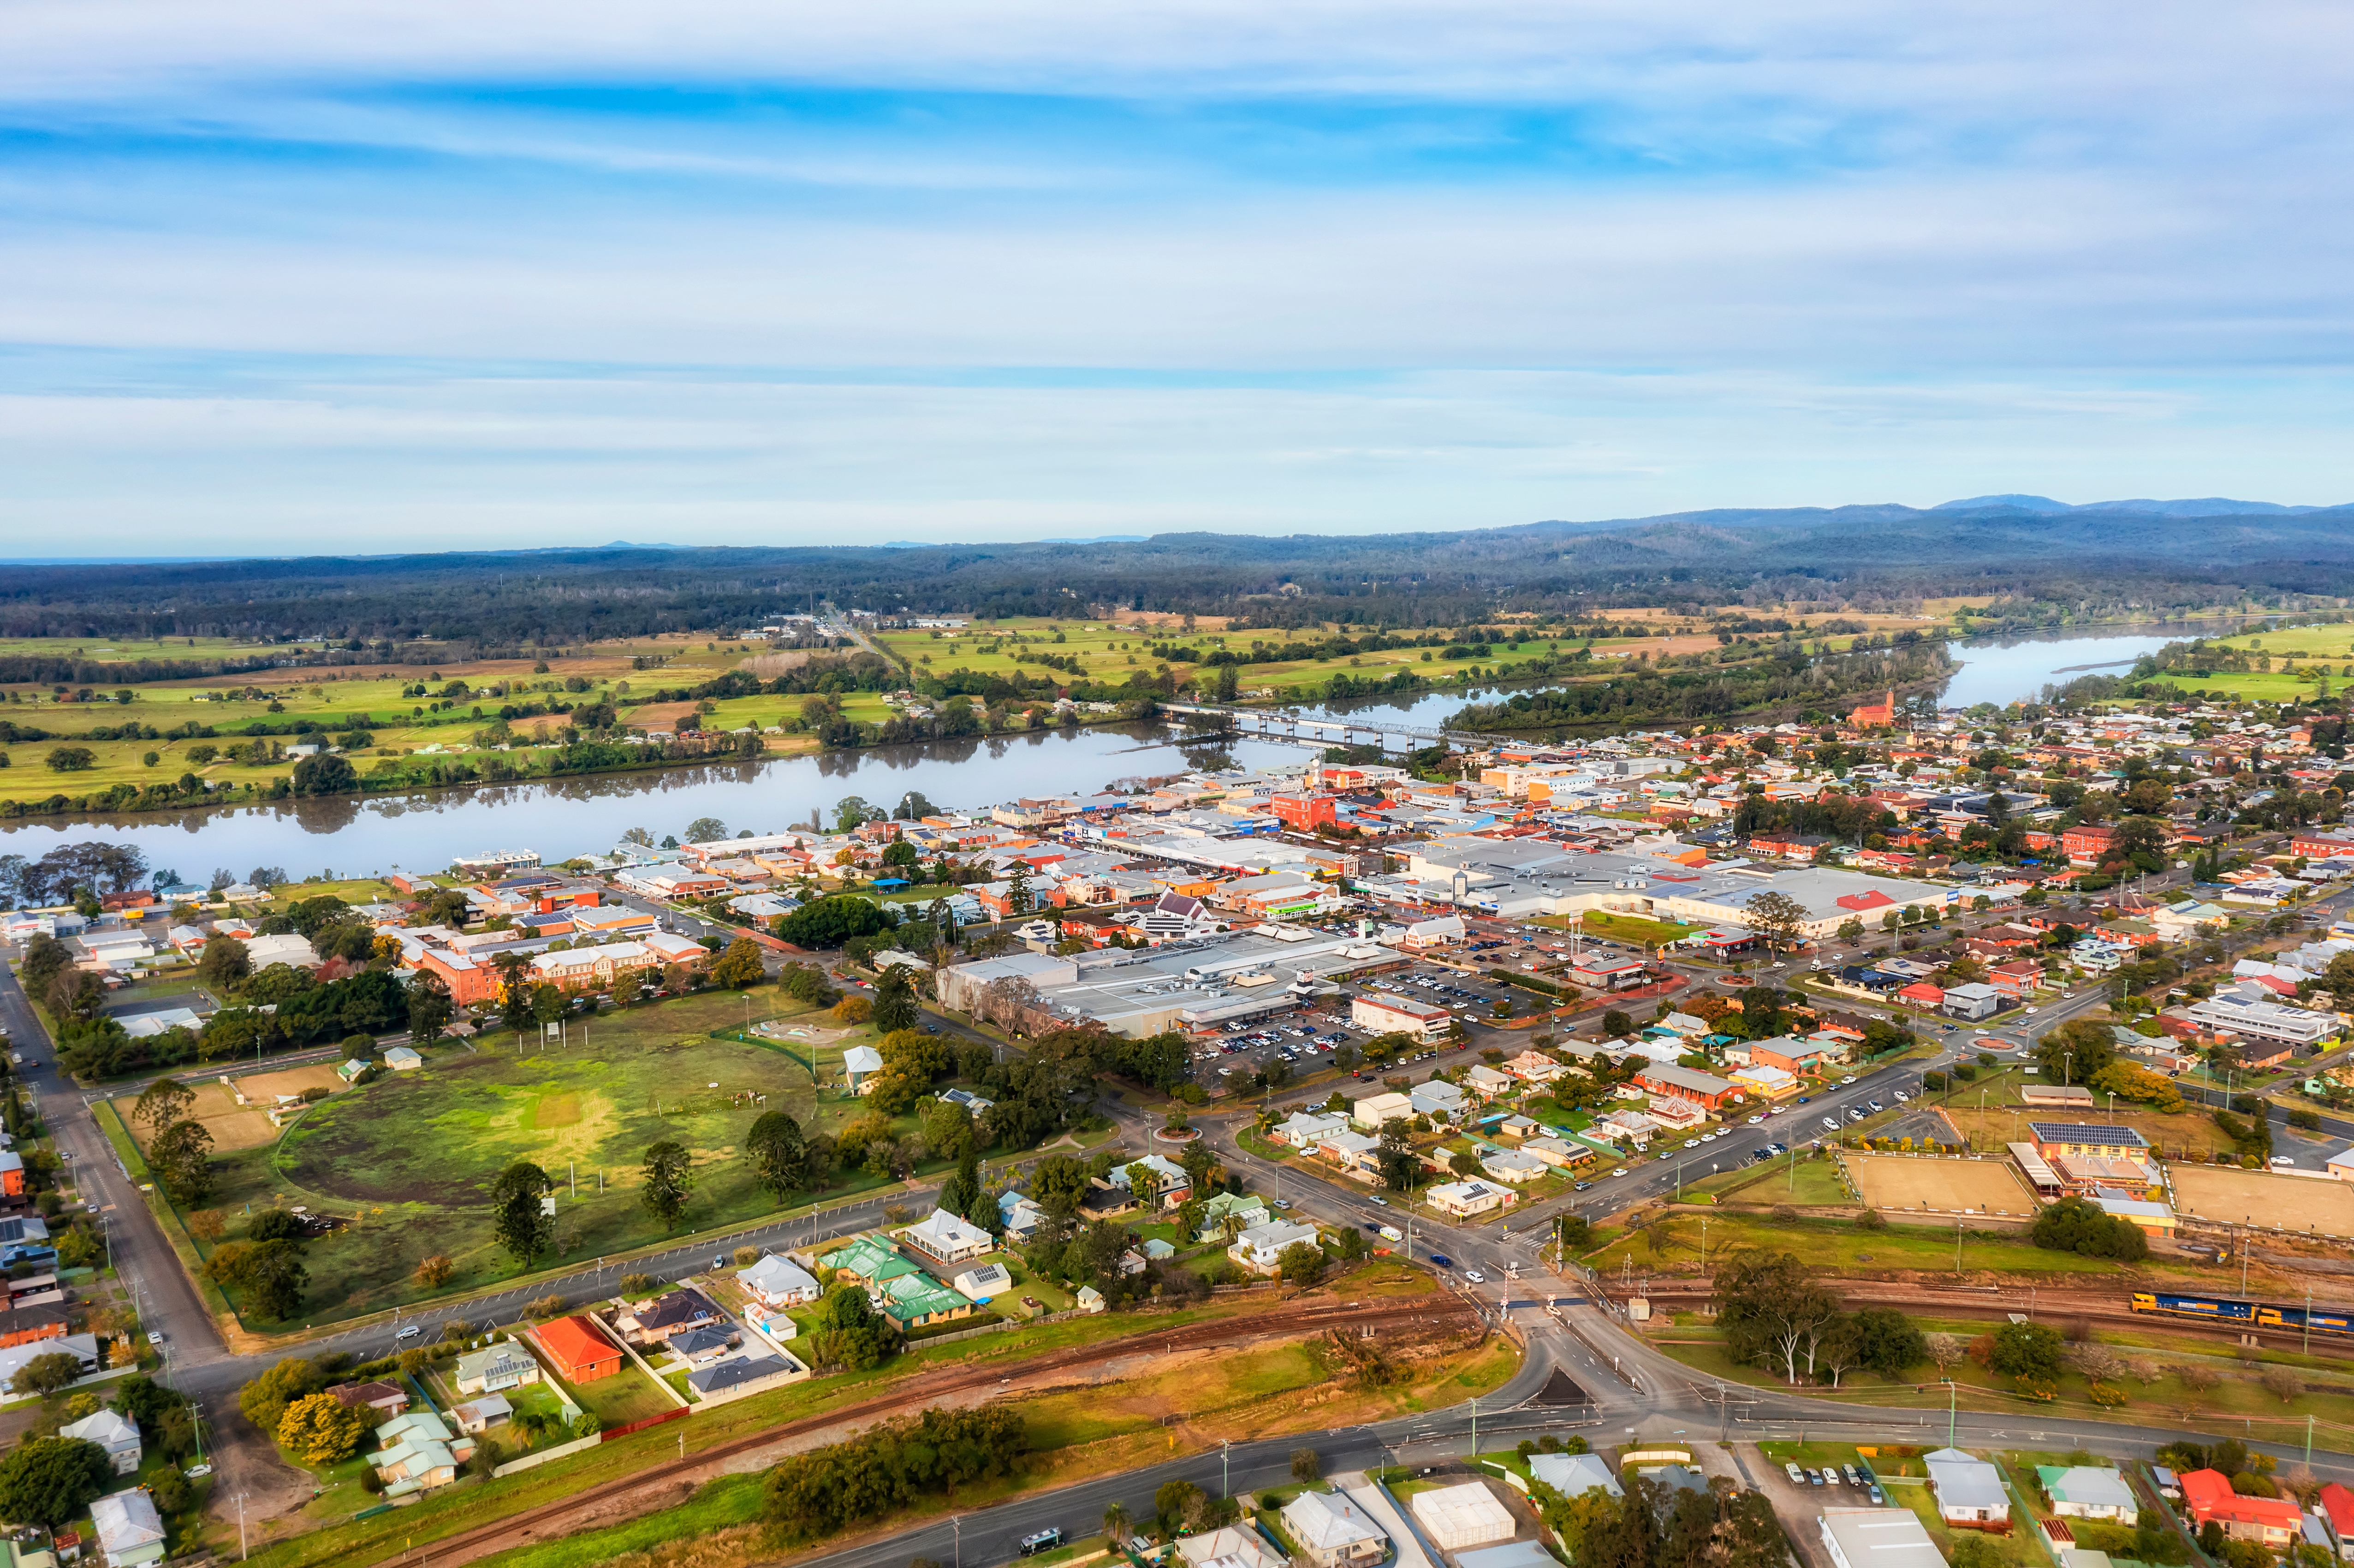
(1837, 1244)
(410, 1159)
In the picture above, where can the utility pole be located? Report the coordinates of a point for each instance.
(1225, 1455)
(1957, 1247)
(1952, 1390)
(1475, 1429)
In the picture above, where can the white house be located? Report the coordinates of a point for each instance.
(1305, 1129)
(130, 1531)
(1331, 1531)
(83, 1348)
(111, 1432)
(1969, 1491)
(2089, 1492)
(947, 1237)
(1371, 1111)
(1463, 1199)
(496, 1369)
(1260, 1248)
(859, 1066)
(779, 1282)
(981, 1284)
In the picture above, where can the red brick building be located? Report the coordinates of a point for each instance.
(2086, 843)
(1305, 813)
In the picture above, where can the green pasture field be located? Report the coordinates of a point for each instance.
(410, 1159)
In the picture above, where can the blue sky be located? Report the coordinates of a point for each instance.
(372, 275)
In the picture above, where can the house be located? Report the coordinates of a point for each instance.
(496, 1369)
(2338, 1508)
(1170, 1185)
(1573, 1475)
(401, 1059)
(1437, 1099)
(1461, 1516)
(2272, 1523)
(1244, 1209)
(130, 1531)
(947, 1238)
(1974, 1000)
(1463, 1199)
(578, 1349)
(83, 1348)
(1558, 1152)
(1260, 1248)
(779, 1282)
(1487, 1083)
(1351, 1151)
(387, 1399)
(1766, 1083)
(701, 1347)
(667, 1316)
(981, 1284)
(479, 1415)
(1333, 1532)
(1373, 1111)
(859, 1066)
(1306, 1129)
(2088, 1491)
(1533, 1066)
(111, 1432)
(1877, 1538)
(1229, 1546)
(743, 1372)
(1020, 1214)
(416, 1451)
(1683, 1084)
(1970, 1492)
(1513, 1165)
(916, 1300)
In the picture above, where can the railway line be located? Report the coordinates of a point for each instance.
(665, 1482)
(2111, 1308)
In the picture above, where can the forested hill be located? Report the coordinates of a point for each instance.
(2134, 554)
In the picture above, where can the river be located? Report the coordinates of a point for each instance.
(353, 835)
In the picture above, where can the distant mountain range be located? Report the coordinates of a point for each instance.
(2208, 507)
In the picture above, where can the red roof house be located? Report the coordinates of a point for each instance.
(580, 1351)
(2268, 1521)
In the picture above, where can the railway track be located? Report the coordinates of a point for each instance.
(641, 1492)
(1966, 1301)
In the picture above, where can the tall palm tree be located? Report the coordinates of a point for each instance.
(1116, 1523)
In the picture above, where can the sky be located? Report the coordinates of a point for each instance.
(367, 275)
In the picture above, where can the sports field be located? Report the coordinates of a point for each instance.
(408, 1160)
(1892, 1181)
(232, 1124)
(2225, 1196)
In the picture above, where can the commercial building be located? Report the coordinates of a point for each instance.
(2270, 1021)
(1399, 1015)
(1877, 1538)
(1197, 983)
(1461, 1516)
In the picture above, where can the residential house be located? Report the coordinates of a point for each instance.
(1561, 1153)
(1021, 1214)
(1229, 1546)
(2271, 1522)
(667, 1316)
(1331, 1531)
(386, 1399)
(1373, 1111)
(947, 1238)
(130, 1531)
(1260, 1248)
(1972, 1000)
(1517, 1166)
(1574, 1475)
(1489, 1083)
(701, 1347)
(416, 1451)
(1877, 1538)
(1170, 1186)
(1463, 1199)
(111, 1432)
(739, 1373)
(1305, 1129)
(1683, 1083)
(1437, 1099)
(779, 1282)
(1533, 1066)
(83, 1348)
(859, 1066)
(1245, 1210)
(916, 1300)
(1970, 1492)
(578, 1349)
(496, 1369)
(2088, 1491)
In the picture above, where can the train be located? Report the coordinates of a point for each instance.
(2250, 1314)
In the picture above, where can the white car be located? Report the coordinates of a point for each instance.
(1849, 1079)
(409, 1332)
(1757, 1121)
(2281, 1161)
(1692, 1143)
(1475, 1276)
(154, 1338)
(1710, 1136)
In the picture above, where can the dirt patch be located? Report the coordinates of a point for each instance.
(215, 1106)
(262, 1088)
(767, 666)
(647, 715)
(2301, 1203)
(1940, 1186)
(555, 1111)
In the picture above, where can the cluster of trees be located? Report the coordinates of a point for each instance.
(810, 1496)
(266, 1268)
(304, 1007)
(830, 922)
(1776, 1313)
(2079, 1225)
(1660, 1526)
(1786, 676)
(84, 867)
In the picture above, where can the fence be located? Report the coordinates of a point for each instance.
(542, 1456)
(678, 1412)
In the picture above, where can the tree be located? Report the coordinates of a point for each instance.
(324, 774)
(779, 1154)
(830, 922)
(1851, 929)
(48, 1374)
(435, 1272)
(226, 962)
(896, 1007)
(1307, 1466)
(320, 1429)
(705, 829)
(667, 1176)
(848, 1332)
(1301, 1263)
(520, 1219)
(271, 1273)
(161, 1103)
(1616, 1024)
(2030, 1352)
(1777, 917)
(739, 965)
(178, 1157)
(1770, 1305)
(428, 1006)
(2080, 1225)
(264, 1398)
(49, 1480)
(1115, 1522)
